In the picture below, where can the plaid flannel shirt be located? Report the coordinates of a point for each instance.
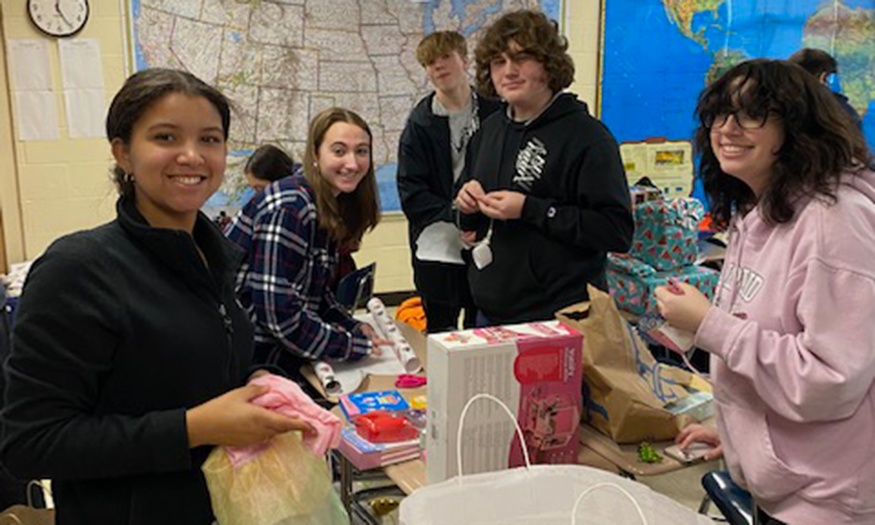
(284, 280)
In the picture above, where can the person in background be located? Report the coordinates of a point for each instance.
(293, 232)
(790, 334)
(545, 189)
(129, 349)
(268, 164)
(822, 65)
(431, 158)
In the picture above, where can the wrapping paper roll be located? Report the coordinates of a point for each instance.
(387, 330)
(326, 376)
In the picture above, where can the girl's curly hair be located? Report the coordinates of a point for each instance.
(820, 139)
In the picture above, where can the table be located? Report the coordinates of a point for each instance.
(410, 475)
(625, 457)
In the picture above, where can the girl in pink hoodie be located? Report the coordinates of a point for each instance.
(791, 332)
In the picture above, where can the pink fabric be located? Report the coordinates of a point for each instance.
(287, 398)
(409, 381)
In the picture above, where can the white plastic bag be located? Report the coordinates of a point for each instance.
(541, 495)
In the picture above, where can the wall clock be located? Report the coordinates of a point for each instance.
(58, 17)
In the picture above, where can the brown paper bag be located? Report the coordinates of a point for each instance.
(24, 515)
(625, 389)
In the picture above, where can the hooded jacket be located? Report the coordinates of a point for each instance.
(792, 347)
(577, 208)
(119, 331)
(427, 190)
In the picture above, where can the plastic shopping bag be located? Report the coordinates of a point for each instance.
(542, 495)
(285, 484)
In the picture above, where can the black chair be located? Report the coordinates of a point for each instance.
(356, 288)
(735, 503)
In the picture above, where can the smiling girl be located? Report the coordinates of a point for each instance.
(129, 350)
(790, 332)
(293, 232)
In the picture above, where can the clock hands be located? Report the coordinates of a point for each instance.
(61, 13)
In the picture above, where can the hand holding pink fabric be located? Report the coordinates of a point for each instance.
(286, 397)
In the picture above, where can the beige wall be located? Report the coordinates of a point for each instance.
(55, 187)
(51, 188)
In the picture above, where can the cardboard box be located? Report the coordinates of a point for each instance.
(534, 368)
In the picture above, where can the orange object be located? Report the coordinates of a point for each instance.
(412, 313)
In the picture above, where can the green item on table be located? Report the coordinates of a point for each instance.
(647, 453)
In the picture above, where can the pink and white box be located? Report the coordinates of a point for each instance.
(534, 368)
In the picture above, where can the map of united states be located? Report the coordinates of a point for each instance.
(283, 61)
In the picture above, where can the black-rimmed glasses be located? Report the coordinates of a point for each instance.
(742, 118)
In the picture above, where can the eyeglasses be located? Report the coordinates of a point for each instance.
(743, 119)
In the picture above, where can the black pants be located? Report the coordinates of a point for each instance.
(443, 317)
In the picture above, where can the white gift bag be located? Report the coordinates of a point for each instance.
(541, 495)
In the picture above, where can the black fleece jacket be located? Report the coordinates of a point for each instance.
(427, 191)
(577, 208)
(120, 329)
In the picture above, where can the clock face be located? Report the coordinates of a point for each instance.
(58, 17)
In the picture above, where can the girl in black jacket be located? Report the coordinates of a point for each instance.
(129, 350)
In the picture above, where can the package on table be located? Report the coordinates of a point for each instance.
(666, 232)
(534, 368)
(632, 282)
(355, 405)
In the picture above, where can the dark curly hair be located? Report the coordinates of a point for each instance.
(538, 36)
(820, 141)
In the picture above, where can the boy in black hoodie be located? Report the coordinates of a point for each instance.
(431, 158)
(545, 190)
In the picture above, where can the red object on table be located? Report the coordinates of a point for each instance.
(382, 427)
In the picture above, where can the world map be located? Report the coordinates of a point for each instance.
(659, 54)
(283, 61)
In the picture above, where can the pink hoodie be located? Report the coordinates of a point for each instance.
(793, 368)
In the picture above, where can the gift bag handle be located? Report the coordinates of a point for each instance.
(606, 485)
(507, 411)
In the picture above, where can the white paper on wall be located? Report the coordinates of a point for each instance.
(82, 79)
(37, 115)
(36, 108)
(29, 60)
(86, 111)
(80, 63)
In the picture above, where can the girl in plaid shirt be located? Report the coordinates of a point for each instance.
(293, 233)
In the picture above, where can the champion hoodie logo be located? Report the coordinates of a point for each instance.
(749, 282)
(530, 164)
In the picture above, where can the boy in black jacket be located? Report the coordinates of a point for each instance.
(431, 157)
(546, 191)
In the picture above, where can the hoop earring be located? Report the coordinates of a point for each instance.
(128, 178)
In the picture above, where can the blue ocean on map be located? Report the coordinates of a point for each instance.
(653, 72)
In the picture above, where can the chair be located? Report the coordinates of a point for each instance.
(356, 288)
(735, 503)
